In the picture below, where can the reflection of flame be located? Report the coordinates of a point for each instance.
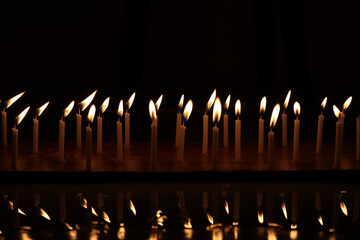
(152, 110)
(121, 233)
(181, 102)
(227, 103)
(83, 202)
(41, 109)
(271, 235)
(210, 218)
(11, 206)
(347, 103)
(160, 218)
(320, 220)
(132, 207)
(274, 115)
(262, 105)
(104, 106)
(158, 102)
(283, 207)
(217, 111)
(343, 208)
(293, 226)
(297, 108)
(9, 102)
(68, 109)
(91, 114)
(131, 100)
(323, 104)
(187, 110)
(211, 100)
(187, 224)
(260, 217)
(237, 108)
(121, 108)
(85, 103)
(336, 111)
(286, 102)
(294, 235)
(21, 116)
(217, 234)
(226, 205)
(44, 214)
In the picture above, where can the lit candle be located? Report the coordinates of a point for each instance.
(342, 120)
(215, 142)
(236, 206)
(15, 136)
(296, 132)
(62, 203)
(153, 154)
(320, 127)
(337, 138)
(206, 123)
(271, 143)
(36, 127)
(226, 122)
(82, 106)
(127, 119)
(237, 131)
(358, 138)
(90, 119)
(261, 125)
(284, 120)
(62, 130)
(119, 132)
(186, 115)
(8, 103)
(178, 121)
(99, 125)
(294, 210)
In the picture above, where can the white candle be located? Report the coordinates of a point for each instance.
(153, 153)
(99, 134)
(62, 203)
(284, 120)
(127, 120)
(90, 119)
(4, 128)
(78, 130)
(358, 138)
(226, 122)
(35, 135)
(205, 134)
(215, 142)
(337, 138)
(271, 143)
(119, 133)
(294, 208)
(296, 132)
(237, 131)
(261, 126)
(178, 121)
(186, 115)
(62, 130)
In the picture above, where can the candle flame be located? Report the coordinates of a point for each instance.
(158, 102)
(11, 206)
(217, 111)
(21, 116)
(260, 217)
(106, 217)
(211, 100)
(68, 109)
(320, 220)
(152, 110)
(44, 214)
(283, 207)
(187, 224)
(293, 226)
(336, 111)
(86, 102)
(237, 108)
(263, 105)
(104, 106)
(132, 207)
(227, 103)
(40, 110)
(343, 208)
(9, 102)
(210, 218)
(161, 217)
(121, 108)
(94, 212)
(297, 108)
(287, 99)
(131, 100)
(323, 104)
(347, 103)
(91, 113)
(226, 205)
(188, 110)
(274, 115)
(181, 102)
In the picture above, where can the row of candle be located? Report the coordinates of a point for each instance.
(214, 102)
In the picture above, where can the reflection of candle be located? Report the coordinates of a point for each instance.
(237, 131)
(226, 122)
(294, 208)
(271, 143)
(15, 136)
(215, 142)
(36, 128)
(236, 205)
(358, 138)
(120, 207)
(284, 120)
(119, 132)
(337, 138)
(127, 119)
(153, 154)
(296, 132)
(186, 115)
(178, 121)
(320, 127)
(62, 201)
(62, 130)
(342, 120)
(90, 119)
(99, 125)
(82, 106)
(206, 123)
(261, 125)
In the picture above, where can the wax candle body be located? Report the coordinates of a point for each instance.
(271, 147)
(294, 207)
(62, 202)
(61, 139)
(358, 138)
(205, 200)
(3, 128)
(237, 140)
(356, 207)
(14, 148)
(153, 146)
(120, 207)
(284, 129)
(337, 145)
(120, 155)
(215, 147)
(182, 143)
(236, 205)
(177, 133)
(127, 129)
(319, 133)
(99, 134)
(205, 134)
(88, 148)
(259, 199)
(342, 126)
(78, 130)
(261, 136)
(35, 135)
(226, 130)
(296, 139)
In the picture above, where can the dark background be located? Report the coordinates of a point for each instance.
(62, 51)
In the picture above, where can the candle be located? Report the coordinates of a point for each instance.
(15, 135)
(120, 207)
(205, 200)
(153, 153)
(296, 132)
(119, 132)
(337, 138)
(82, 106)
(271, 143)
(226, 122)
(206, 123)
(186, 115)
(294, 210)
(284, 120)
(215, 142)
(62, 202)
(237, 131)
(99, 125)
(358, 138)
(236, 206)
(261, 126)
(90, 119)
(127, 119)
(8, 103)
(178, 121)
(36, 127)
(62, 130)
(342, 120)
(320, 127)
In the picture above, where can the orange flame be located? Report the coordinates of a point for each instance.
(210, 218)
(11, 206)
(158, 102)
(336, 111)
(131, 100)
(91, 114)
(188, 110)
(187, 224)
(293, 226)
(274, 115)
(227, 103)
(68, 109)
(21, 116)
(121, 108)
(237, 108)
(263, 105)
(297, 109)
(226, 205)
(261, 217)
(94, 212)
(181, 102)
(211, 100)
(152, 110)
(132, 207)
(283, 207)
(40, 110)
(104, 106)
(9, 102)
(217, 111)
(106, 217)
(44, 214)
(323, 104)
(287, 99)
(343, 208)
(86, 102)
(160, 218)
(320, 220)
(347, 103)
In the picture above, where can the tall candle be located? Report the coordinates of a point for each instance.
(358, 138)
(205, 200)
(127, 120)
(186, 115)
(342, 120)
(296, 132)
(120, 207)
(215, 142)
(236, 206)
(62, 203)
(99, 128)
(320, 127)
(284, 120)
(90, 119)
(15, 135)
(237, 131)
(261, 126)
(178, 121)
(36, 127)
(119, 132)
(271, 142)
(62, 130)
(337, 138)
(153, 153)
(206, 123)
(226, 122)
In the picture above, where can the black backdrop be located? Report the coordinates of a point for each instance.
(62, 51)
